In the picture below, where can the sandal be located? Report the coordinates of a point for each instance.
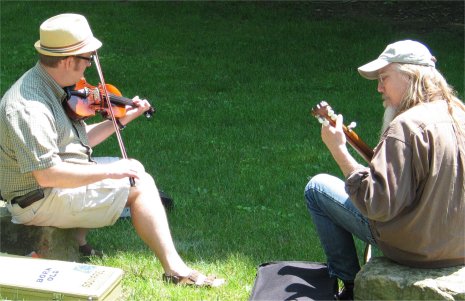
(195, 278)
(87, 251)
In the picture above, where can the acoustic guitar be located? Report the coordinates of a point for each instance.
(325, 115)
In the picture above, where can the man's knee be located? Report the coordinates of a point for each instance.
(145, 185)
(139, 166)
(317, 182)
(314, 187)
(145, 182)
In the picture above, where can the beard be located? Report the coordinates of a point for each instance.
(390, 113)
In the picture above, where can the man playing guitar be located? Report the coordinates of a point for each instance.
(410, 200)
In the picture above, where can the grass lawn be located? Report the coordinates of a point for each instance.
(233, 141)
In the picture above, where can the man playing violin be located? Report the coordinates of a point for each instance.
(49, 177)
(410, 200)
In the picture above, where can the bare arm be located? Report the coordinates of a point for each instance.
(69, 175)
(98, 132)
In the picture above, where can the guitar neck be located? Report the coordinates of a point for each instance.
(361, 147)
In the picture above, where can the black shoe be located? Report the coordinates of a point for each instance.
(87, 251)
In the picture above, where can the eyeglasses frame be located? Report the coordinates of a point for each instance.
(88, 59)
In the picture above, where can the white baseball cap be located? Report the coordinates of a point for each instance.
(404, 52)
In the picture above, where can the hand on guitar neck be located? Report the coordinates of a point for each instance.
(325, 114)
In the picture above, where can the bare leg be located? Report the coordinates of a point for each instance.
(151, 224)
(80, 236)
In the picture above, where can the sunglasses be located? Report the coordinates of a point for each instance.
(88, 59)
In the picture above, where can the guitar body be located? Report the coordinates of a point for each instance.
(325, 114)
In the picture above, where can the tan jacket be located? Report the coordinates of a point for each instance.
(414, 190)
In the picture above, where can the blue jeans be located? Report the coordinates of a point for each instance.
(336, 219)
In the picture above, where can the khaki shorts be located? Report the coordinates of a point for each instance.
(96, 205)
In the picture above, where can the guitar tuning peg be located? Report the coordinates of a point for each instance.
(352, 125)
(330, 112)
(321, 120)
(325, 122)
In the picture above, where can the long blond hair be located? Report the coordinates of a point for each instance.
(427, 84)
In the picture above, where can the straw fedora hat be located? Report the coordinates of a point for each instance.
(65, 35)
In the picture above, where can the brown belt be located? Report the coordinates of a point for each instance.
(29, 198)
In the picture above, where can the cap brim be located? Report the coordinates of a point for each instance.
(370, 70)
(92, 46)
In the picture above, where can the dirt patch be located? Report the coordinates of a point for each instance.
(421, 14)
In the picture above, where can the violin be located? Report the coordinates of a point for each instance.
(85, 100)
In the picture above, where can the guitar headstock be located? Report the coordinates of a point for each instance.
(324, 113)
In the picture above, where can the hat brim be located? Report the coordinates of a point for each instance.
(371, 69)
(89, 47)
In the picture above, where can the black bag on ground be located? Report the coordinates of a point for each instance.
(166, 200)
(293, 280)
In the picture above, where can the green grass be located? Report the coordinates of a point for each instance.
(233, 141)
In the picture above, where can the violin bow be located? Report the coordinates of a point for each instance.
(112, 114)
(325, 115)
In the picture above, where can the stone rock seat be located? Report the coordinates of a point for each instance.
(46, 242)
(383, 279)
